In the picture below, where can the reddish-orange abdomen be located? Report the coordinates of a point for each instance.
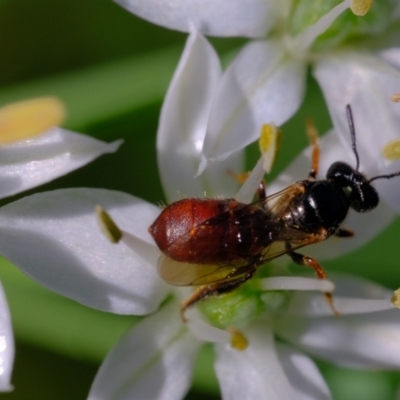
(184, 230)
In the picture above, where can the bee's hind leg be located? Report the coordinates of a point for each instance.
(307, 261)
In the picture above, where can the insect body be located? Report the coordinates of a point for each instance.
(219, 244)
(211, 231)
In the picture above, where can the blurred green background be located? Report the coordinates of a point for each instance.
(112, 70)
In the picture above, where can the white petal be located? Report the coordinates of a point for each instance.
(6, 344)
(364, 225)
(254, 91)
(252, 183)
(54, 238)
(392, 55)
(154, 360)
(365, 340)
(366, 83)
(202, 330)
(141, 248)
(353, 295)
(183, 124)
(255, 373)
(303, 374)
(357, 287)
(249, 18)
(313, 305)
(32, 162)
(297, 283)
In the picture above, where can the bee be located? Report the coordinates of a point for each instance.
(218, 245)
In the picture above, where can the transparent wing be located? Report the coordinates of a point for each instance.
(277, 203)
(184, 274)
(283, 240)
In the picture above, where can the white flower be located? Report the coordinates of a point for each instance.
(247, 18)
(265, 83)
(64, 249)
(183, 126)
(33, 148)
(34, 151)
(155, 358)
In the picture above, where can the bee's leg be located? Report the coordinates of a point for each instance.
(205, 291)
(262, 190)
(344, 233)
(307, 261)
(312, 134)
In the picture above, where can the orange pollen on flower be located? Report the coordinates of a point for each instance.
(29, 118)
(239, 177)
(238, 340)
(396, 298)
(361, 7)
(395, 97)
(392, 150)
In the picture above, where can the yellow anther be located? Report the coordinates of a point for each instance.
(361, 7)
(27, 119)
(269, 142)
(238, 340)
(396, 298)
(107, 225)
(395, 97)
(392, 150)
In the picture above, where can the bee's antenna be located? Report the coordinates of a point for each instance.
(350, 121)
(349, 115)
(385, 176)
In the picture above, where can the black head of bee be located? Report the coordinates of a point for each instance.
(325, 203)
(362, 196)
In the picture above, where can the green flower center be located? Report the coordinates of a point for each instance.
(241, 306)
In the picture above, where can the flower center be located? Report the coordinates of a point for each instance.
(241, 306)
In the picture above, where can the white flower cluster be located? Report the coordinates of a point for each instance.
(208, 117)
(33, 151)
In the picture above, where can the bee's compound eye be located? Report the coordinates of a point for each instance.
(363, 197)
